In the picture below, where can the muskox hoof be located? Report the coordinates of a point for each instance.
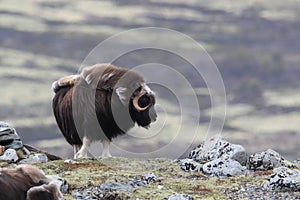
(106, 155)
(78, 155)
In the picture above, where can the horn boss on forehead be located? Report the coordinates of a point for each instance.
(109, 91)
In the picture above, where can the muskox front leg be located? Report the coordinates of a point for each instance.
(105, 152)
(76, 148)
(82, 153)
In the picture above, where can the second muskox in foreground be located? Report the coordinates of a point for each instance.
(100, 103)
(27, 182)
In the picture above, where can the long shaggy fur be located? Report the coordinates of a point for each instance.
(15, 183)
(104, 90)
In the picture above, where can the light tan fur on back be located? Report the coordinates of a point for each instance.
(65, 81)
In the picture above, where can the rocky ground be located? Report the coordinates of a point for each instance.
(215, 169)
(125, 178)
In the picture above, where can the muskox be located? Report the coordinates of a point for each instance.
(27, 182)
(99, 104)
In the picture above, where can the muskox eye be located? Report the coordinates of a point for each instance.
(144, 101)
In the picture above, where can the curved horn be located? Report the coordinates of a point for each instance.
(136, 104)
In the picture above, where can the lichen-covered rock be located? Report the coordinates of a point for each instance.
(10, 155)
(267, 160)
(9, 138)
(179, 197)
(35, 158)
(70, 161)
(150, 178)
(115, 186)
(189, 165)
(116, 190)
(137, 182)
(297, 161)
(216, 157)
(224, 167)
(92, 193)
(284, 179)
(216, 147)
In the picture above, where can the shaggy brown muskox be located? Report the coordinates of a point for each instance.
(100, 103)
(26, 182)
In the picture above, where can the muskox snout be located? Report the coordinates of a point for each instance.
(152, 114)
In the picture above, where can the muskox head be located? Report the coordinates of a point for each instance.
(141, 106)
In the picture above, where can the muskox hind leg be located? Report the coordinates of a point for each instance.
(105, 151)
(82, 153)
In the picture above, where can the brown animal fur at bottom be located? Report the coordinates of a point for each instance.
(14, 184)
(44, 192)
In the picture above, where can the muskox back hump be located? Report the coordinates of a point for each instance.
(66, 81)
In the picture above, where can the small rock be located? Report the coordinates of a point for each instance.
(218, 147)
(267, 160)
(69, 161)
(3, 125)
(114, 186)
(137, 182)
(9, 137)
(150, 178)
(79, 195)
(160, 187)
(88, 194)
(284, 180)
(189, 165)
(59, 182)
(35, 158)
(297, 161)
(224, 167)
(94, 192)
(179, 197)
(10, 155)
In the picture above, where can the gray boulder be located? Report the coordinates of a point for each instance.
(35, 158)
(297, 162)
(267, 160)
(10, 155)
(189, 165)
(224, 167)
(115, 186)
(150, 178)
(179, 197)
(284, 180)
(217, 147)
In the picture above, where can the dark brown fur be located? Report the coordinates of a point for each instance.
(97, 83)
(44, 192)
(14, 183)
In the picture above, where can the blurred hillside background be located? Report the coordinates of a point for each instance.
(254, 43)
